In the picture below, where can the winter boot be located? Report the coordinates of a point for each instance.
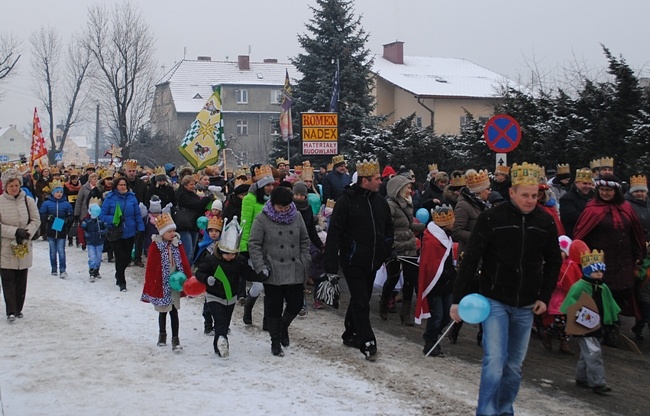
(369, 349)
(564, 346)
(637, 330)
(162, 339)
(383, 308)
(97, 275)
(287, 318)
(436, 351)
(91, 274)
(275, 329)
(454, 331)
(265, 322)
(248, 309)
(223, 347)
(405, 313)
(176, 344)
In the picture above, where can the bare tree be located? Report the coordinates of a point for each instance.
(59, 86)
(9, 55)
(123, 46)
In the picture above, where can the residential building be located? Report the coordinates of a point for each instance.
(12, 144)
(251, 93)
(437, 90)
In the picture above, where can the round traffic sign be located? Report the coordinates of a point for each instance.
(502, 133)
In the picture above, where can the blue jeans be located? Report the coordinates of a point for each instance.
(57, 246)
(95, 256)
(506, 333)
(189, 240)
(439, 309)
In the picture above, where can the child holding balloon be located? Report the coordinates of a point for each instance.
(166, 262)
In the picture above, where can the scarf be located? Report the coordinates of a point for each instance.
(301, 205)
(286, 217)
(73, 188)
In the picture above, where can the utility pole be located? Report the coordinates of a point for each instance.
(97, 136)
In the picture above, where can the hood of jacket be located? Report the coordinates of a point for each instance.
(395, 185)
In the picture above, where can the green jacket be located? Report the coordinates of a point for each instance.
(250, 209)
(611, 309)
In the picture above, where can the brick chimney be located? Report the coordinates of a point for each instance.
(204, 58)
(243, 61)
(394, 52)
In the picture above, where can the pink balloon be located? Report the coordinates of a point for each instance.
(193, 287)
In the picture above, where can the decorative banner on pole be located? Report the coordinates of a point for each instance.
(38, 149)
(320, 133)
(204, 139)
(286, 128)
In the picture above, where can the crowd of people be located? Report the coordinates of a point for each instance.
(531, 241)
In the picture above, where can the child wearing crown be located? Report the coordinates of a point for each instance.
(436, 277)
(590, 371)
(221, 272)
(166, 256)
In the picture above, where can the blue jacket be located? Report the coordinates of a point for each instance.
(94, 231)
(334, 184)
(56, 208)
(131, 217)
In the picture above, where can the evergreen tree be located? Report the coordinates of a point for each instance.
(334, 34)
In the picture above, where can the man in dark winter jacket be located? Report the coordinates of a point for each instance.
(637, 197)
(432, 196)
(517, 245)
(574, 201)
(334, 183)
(162, 187)
(359, 239)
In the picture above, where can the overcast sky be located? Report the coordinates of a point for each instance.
(506, 36)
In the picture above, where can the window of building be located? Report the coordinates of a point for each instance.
(418, 121)
(242, 127)
(276, 97)
(242, 96)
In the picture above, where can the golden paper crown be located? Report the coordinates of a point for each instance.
(55, 184)
(433, 167)
(583, 175)
(163, 222)
(262, 171)
(639, 180)
(476, 179)
(330, 166)
(367, 167)
(307, 173)
(130, 164)
(95, 200)
(338, 159)
(587, 258)
(306, 163)
(23, 169)
(215, 223)
(457, 179)
(443, 215)
(160, 170)
(330, 203)
(525, 174)
(503, 169)
(55, 171)
(281, 161)
(241, 172)
(90, 166)
(594, 164)
(297, 169)
(563, 169)
(607, 162)
(73, 172)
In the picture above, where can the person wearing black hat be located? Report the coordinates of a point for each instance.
(233, 202)
(162, 187)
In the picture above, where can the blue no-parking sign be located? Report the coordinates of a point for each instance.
(502, 133)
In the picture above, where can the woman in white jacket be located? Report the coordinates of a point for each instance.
(19, 220)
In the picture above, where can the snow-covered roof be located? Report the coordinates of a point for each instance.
(189, 78)
(443, 77)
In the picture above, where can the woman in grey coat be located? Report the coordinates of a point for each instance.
(279, 251)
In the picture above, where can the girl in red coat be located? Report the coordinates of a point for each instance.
(165, 256)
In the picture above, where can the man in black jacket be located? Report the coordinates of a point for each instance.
(139, 188)
(574, 201)
(360, 239)
(517, 244)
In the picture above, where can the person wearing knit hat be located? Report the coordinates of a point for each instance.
(94, 231)
(158, 289)
(58, 213)
(637, 197)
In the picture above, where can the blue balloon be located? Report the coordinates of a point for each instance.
(202, 222)
(176, 280)
(474, 308)
(422, 215)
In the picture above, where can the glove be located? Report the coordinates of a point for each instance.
(263, 275)
(214, 189)
(143, 210)
(211, 281)
(21, 235)
(50, 217)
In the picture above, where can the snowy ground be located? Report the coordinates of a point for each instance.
(86, 348)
